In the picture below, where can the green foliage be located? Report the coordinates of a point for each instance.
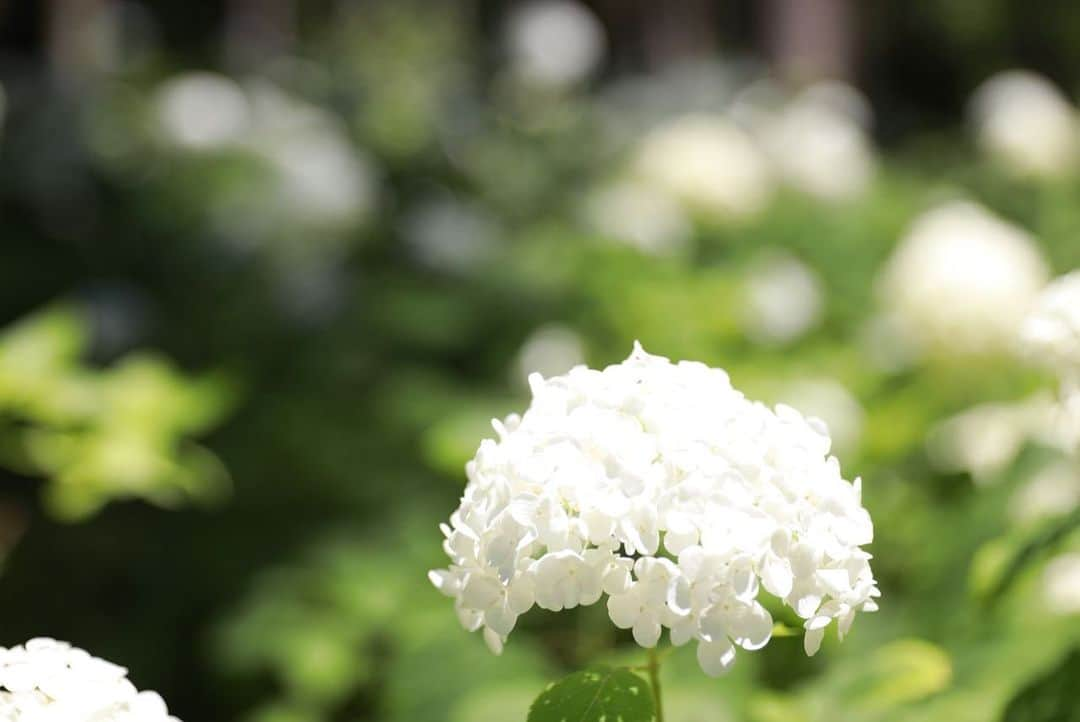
(1051, 698)
(372, 365)
(100, 434)
(595, 695)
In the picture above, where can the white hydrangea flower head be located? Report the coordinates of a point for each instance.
(1051, 331)
(554, 43)
(50, 681)
(783, 299)
(639, 215)
(201, 111)
(663, 487)
(1052, 491)
(708, 163)
(961, 280)
(1024, 122)
(819, 142)
(1061, 584)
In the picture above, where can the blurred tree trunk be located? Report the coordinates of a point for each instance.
(678, 31)
(257, 31)
(810, 39)
(77, 40)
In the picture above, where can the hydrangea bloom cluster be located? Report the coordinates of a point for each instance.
(1051, 336)
(50, 681)
(960, 280)
(1051, 332)
(663, 487)
(1026, 123)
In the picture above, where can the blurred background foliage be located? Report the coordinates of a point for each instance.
(269, 269)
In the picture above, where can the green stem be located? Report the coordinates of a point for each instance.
(654, 682)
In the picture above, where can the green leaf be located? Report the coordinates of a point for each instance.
(1053, 698)
(600, 694)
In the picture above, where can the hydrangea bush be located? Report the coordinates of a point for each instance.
(661, 486)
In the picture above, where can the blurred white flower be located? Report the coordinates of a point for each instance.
(1025, 123)
(554, 42)
(830, 401)
(450, 235)
(1054, 490)
(981, 441)
(708, 163)
(1050, 334)
(50, 681)
(201, 111)
(550, 351)
(608, 472)
(961, 279)
(1061, 583)
(640, 215)
(819, 143)
(985, 439)
(322, 178)
(782, 300)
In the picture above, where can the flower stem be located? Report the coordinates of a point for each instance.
(654, 682)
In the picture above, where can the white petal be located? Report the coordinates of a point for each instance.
(500, 620)
(521, 595)
(624, 609)
(481, 591)
(751, 627)
(812, 641)
(776, 577)
(715, 657)
(836, 581)
(647, 630)
(494, 641)
(617, 579)
(445, 581)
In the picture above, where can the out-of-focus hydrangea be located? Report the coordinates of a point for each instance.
(782, 300)
(317, 179)
(1025, 123)
(960, 281)
(554, 43)
(450, 235)
(708, 163)
(202, 110)
(1061, 584)
(985, 440)
(323, 179)
(639, 215)
(609, 472)
(550, 351)
(96, 435)
(830, 401)
(1050, 334)
(50, 681)
(1054, 490)
(819, 142)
